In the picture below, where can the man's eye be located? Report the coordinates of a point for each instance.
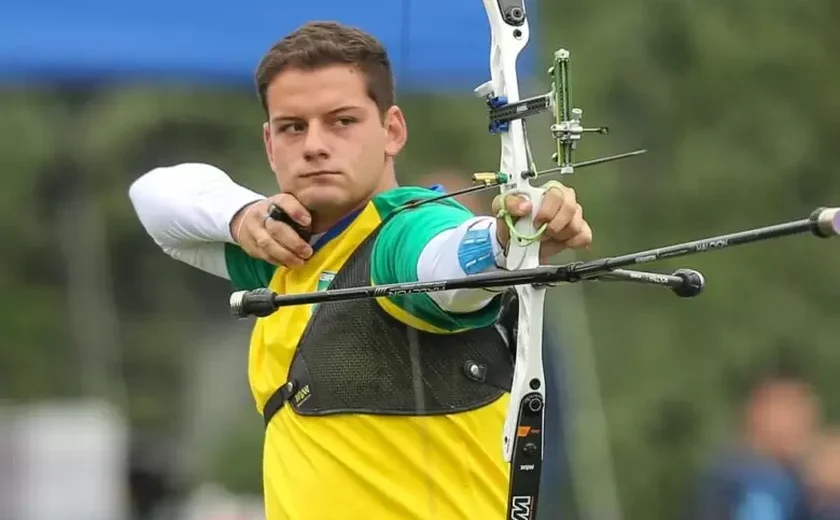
(346, 121)
(290, 128)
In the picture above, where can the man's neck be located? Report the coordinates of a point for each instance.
(323, 221)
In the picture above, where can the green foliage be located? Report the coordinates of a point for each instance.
(733, 101)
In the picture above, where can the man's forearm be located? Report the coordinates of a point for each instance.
(187, 210)
(470, 248)
(188, 202)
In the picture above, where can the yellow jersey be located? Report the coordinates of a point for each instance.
(355, 466)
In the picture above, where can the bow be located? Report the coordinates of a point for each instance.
(522, 438)
(522, 441)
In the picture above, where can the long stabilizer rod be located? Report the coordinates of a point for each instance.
(823, 223)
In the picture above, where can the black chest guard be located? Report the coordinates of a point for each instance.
(353, 357)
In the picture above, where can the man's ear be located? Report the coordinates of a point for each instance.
(396, 131)
(268, 143)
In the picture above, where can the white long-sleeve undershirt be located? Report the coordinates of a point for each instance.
(187, 209)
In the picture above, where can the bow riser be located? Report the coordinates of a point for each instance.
(522, 441)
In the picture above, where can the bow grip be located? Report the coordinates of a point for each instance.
(525, 255)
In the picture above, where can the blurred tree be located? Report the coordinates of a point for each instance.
(734, 102)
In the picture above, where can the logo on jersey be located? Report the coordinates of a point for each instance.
(325, 280)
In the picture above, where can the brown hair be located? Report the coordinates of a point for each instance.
(318, 44)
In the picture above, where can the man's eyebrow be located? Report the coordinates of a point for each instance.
(284, 119)
(343, 108)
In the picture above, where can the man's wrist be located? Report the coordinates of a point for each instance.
(238, 219)
(499, 250)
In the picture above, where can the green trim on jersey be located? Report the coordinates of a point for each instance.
(402, 240)
(247, 273)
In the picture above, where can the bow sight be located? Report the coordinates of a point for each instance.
(567, 129)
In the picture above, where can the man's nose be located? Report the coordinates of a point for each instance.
(315, 144)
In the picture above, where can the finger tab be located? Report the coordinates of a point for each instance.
(281, 216)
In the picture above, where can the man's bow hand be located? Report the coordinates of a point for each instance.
(558, 210)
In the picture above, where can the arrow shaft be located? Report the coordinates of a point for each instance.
(597, 267)
(571, 272)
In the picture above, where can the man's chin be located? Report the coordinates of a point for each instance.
(329, 198)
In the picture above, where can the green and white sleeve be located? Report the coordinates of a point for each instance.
(434, 242)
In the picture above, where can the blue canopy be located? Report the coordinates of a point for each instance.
(435, 46)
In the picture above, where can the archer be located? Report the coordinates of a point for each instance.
(369, 414)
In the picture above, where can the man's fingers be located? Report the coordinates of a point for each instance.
(567, 223)
(284, 234)
(293, 208)
(552, 203)
(558, 201)
(516, 205)
(582, 239)
(273, 252)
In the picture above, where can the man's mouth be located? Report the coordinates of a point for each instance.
(319, 173)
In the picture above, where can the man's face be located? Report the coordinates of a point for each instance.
(325, 139)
